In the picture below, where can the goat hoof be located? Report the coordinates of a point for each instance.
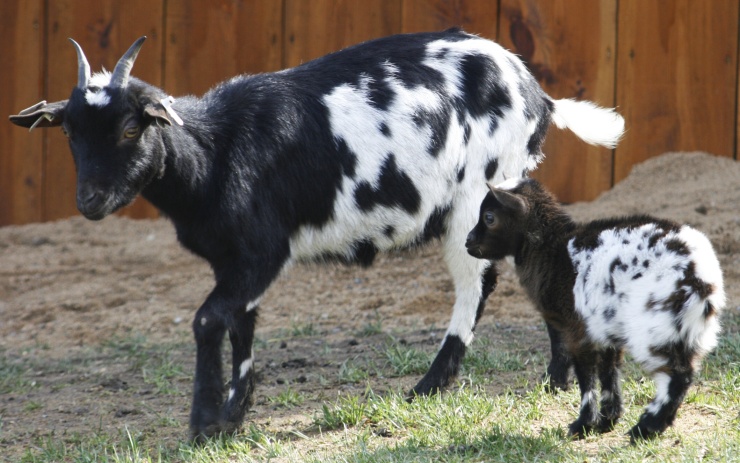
(553, 385)
(214, 431)
(420, 392)
(641, 432)
(578, 430)
(203, 435)
(606, 424)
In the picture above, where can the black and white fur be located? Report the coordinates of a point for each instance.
(380, 146)
(651, 286)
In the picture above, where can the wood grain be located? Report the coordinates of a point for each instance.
(317, 27)
(677, 78)
(569, 45)
(21, 152)
(210, 41)
(474, 16)
(105, 29)
(671, 68)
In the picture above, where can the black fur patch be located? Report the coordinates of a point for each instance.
(656, 237)
(687, 286)
(482, 88)
(435, 226)
(365, 252)
(491, 169)
(677, 246)
(395, 189)
(439, 123)
(466, 132)
(461, 174)
(347, 158)
(384, 129)
(380, 93)
(488, 282)
(535, 142)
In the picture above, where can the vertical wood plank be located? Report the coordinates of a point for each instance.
(474, 16)
(210, 41)
(317, 27)
(676, 80)
(105, 29)
(21, 153)
(569, 45)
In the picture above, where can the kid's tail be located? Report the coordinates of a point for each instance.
(591, 123)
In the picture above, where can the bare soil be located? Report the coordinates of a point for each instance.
(91, 312)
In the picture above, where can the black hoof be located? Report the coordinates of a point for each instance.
(214, 431)
(578, 429)
(606, 424)
(420, 390)
(554, 384)
(641, 432)
(203, 435)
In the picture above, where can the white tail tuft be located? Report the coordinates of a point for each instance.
(591, 123)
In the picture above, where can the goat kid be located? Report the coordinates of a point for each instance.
(647, 285)
(380, 146)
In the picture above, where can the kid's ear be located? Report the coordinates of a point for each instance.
(41, 115)
(509, 200)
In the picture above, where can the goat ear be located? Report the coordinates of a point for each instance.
(158, 114)
(41, 115)
(509, 200)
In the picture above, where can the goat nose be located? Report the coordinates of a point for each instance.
(469, 240)
(87, 196)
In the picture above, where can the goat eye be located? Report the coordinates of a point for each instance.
(488, 218)
(131, 132)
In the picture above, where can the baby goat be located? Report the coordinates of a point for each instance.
(648, 285)
(380, 146)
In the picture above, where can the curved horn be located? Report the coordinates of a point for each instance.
(83, 67)
(120, 76)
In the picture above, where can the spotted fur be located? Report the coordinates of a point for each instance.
(649, 286)
(384, 145)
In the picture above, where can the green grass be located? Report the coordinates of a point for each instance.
(287, 398)
(14, 374)
(508, 418)
(371, 328)
(155, 363)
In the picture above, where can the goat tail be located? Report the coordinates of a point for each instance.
(591, 123)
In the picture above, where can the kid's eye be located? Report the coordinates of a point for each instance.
(488, 218)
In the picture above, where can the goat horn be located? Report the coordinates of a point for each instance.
(120, 76)
(83, 67)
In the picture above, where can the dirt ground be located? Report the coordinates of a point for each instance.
(83, 307)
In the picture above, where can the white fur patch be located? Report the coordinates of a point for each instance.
(588, 399)
(662, 381)
(245, 367)
(510, 184)
(231, 394)
(96, 95)
(99, 98)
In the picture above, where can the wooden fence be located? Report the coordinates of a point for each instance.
(670, 66)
